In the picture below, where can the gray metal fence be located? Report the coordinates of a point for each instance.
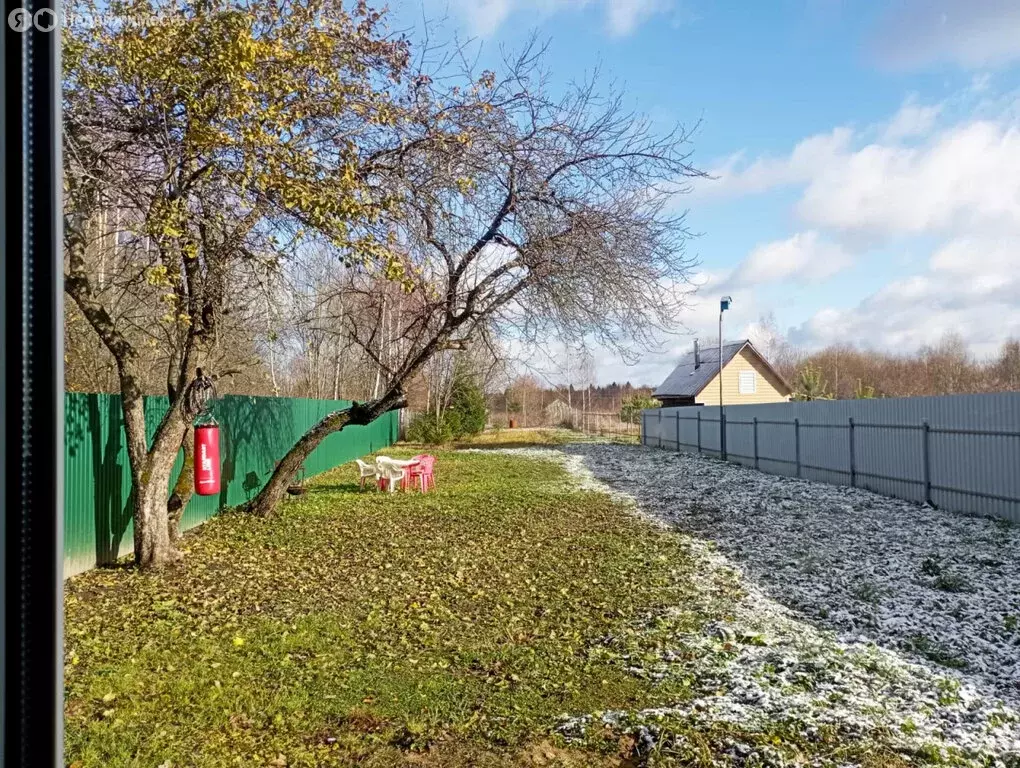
(958, 452)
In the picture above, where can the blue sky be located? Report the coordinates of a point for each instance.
(867, 154)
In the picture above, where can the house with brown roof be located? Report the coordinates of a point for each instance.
(747, 377)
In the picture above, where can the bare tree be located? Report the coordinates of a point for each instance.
(772, 343)
(525, 215)
(1006, 368)
(948, 365)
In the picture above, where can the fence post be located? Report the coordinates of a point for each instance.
(796, 443)
(853, 465)
(756, 442)
(927, 465)
(658, 432)
(677, 414)
(699, 433)
(722, 433)
(644, 435)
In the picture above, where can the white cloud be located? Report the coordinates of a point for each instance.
(910, 176)
(980, 82)
(972, 34)
(484, 17)
(971, 287)
(622, 17)
(964, 177)
(912, 119)
(805, 257)
(734, 177)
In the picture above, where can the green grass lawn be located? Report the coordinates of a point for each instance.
(456, 628)
(452, 628)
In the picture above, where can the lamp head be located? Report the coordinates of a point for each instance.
(724, 303)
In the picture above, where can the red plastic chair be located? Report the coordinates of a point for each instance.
(410, 473)
(421, 475)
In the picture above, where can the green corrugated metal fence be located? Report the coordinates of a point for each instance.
(255, 433)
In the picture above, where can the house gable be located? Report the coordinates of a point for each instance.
(768, 386)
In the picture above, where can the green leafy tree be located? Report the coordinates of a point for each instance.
(220, 138)
(513, 405)
(467, 412)
(810, 384)
(632, 407)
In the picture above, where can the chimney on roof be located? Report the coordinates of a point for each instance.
(697, 355)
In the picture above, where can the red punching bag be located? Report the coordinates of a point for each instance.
(207, 459)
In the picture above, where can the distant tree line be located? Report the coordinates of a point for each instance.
(529, 402)
(845, 371)
(946, 368)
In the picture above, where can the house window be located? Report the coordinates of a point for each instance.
(746, 383)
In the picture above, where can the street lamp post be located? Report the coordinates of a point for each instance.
(724, 304)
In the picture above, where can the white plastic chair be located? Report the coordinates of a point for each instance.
(366, 471)
(402, 463)
(388, 471)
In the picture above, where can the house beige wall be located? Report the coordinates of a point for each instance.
(768, 389)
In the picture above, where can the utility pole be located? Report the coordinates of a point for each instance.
(724, 304)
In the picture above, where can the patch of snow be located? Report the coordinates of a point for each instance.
(855, 610)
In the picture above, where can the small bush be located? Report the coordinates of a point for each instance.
(950, 582)
(430, 429)
(868, 592)
(630, 412)
(465, 416)
(935, 651)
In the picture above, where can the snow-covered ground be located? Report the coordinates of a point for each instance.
(856, 611)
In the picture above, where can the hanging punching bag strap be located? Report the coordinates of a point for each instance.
(201, 392)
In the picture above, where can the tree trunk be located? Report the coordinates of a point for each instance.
(150, 473)
(336, 371)
(153, 545)
(183, 488)
(360, 413)
(153, 548)
(270, 343)
(380, 350)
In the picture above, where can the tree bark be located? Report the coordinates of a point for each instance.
(153, 545)
(336, 372)
(183, 488)
(273, 492)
